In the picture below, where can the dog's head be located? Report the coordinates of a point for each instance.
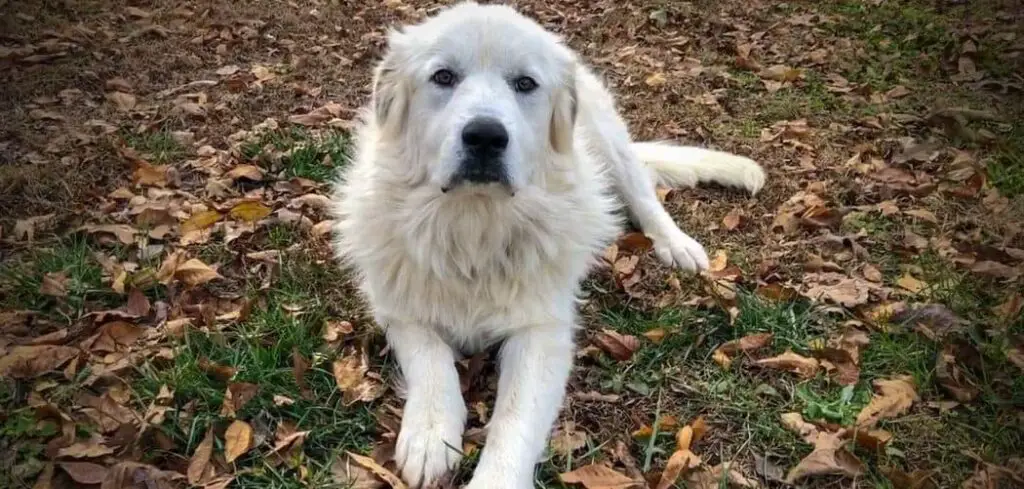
(476, 97)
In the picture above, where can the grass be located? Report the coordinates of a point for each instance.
(159, 146)
(21, 280)
(288, 319)
(301, 153)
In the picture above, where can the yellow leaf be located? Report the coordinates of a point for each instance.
(893, 397)
(200, 221)
(909, 283)
(595, 476)
(195, 272)
(237, 440)
(656, 335)
(250, 211)
(656, 80)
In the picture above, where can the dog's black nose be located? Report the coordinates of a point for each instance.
(485, 134)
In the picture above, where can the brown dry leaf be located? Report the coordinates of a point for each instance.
(299, 368)
(200, 221)
(123, 101)
(995, 269)
(25, 362)
(803, 366)
(220, 372)
(354, 476)
(872, 439)
(138, 304)
(85, 449)
(713, 478)
(923, 214)
(599, 476)
(349, 370)
(194, 272)
(634, 241)
(918, 479)
(909, 283)
(828, 458)
(656, 80)
(318, 116)
(237, 440)
(249, 172)
(336, 330)
(148, 174)
(197, 466)
(894, 396)
(1010, 309)
(724, 353)
(872, 273)
(85, 472)
(54, 284)
(837, 288)
(781, 73)
(250, 211)
(897, 92)
(378, 470)
(237, 395)
(567, 439)
(951, 376)
(620, 347)
(656, 335)
(678, 464)
(123, 232)
(733, 219)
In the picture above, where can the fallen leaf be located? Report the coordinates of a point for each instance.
(378, 470)
(200, 221)
(352, 475)
(249, 172)
(194, 272)
(995, 269)
(25, 362)
(678, 463)
(634, 242)
(732, 220)
(713, 478)
(724, 353)
(909, 283)
(829, 457)
(200, 459)
(336, 330)
(299, 368)
(620, 347)
(237, 395)
(85, 472)
(951, 376)
(148, 174)
(871, 273)
(567, 439)
(803, 366)
(250, 211)
(656, 80)
(781, 73)
(837, 288)
(54, 284)
(923, 214)
(85, 449)
(656, 335)
(237, 440)
(918, 479)
(220, 372)
(123, 232)
(897, 92)
(893, 397)
(318, 116)
(123, 101)
(599, 476)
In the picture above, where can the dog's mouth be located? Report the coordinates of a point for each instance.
(480, 172)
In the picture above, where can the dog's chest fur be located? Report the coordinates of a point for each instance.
(475, 267)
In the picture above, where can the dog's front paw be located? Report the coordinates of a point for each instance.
(429, 443)
(677, 249)
(494, 480)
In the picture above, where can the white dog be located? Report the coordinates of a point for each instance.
(487, 178)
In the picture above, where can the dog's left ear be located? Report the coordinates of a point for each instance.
(563, 117)
(390, 94)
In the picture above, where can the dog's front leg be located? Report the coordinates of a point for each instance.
(434, 416)
(535, 365)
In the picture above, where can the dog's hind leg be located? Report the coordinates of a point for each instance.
(608, 139)
(434, 416)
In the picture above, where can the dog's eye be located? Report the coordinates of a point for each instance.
(525, 84)
(444, 78)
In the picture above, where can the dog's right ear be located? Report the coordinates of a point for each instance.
(390, 92)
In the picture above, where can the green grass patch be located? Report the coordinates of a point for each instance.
(23, 279)
(287, 318)
(158, 146)
(301, 153)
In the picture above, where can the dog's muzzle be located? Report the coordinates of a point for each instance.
(484, 141)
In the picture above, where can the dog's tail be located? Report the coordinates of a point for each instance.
(678, 166)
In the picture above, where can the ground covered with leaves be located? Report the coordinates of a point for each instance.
(171, 315)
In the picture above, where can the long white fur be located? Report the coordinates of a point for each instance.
(452, 273)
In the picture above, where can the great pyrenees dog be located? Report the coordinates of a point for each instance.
(489, 172)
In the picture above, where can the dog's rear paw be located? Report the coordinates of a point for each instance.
(753, 176)
(681, 251)
(428, 446)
